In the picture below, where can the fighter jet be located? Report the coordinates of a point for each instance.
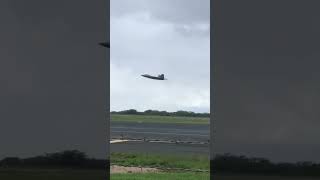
(159, 77)
(105, 44)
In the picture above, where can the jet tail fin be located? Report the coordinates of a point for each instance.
(161, 76)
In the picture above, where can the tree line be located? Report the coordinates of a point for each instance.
(162, 113)
(228, 163)
(225, 163)
(70, 158)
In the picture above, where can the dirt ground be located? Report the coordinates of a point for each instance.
(123, 169)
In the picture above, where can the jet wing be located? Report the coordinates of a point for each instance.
(105, 44)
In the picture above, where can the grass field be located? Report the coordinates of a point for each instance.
(260, 177)
(162, 176)
(201, 176)
(50, 174)
(159, 119)
(161, 161)
(53, 174)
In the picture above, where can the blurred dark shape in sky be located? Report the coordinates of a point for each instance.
(53, 77)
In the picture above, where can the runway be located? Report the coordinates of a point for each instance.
(160, 131)
(163, 138)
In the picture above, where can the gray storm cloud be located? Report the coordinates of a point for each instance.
(146, 40)
(52, 77)
(176, 11)
(267, 79)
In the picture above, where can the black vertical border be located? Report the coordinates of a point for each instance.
(212, 79)
(108, 87)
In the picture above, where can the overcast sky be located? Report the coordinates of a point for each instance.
(154, 37)
(267, 60)
(52, 77)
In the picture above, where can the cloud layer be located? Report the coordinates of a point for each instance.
(146, 39)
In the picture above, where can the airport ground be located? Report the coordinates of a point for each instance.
(163, 142)
(186, 136)
(163, 166)
(182, 155)
(159, 119)
(49, 174)
(160, 131)
(195, 176)
(163, 148)
(180, 137)
(160, 138)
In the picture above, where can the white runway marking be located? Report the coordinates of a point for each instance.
(117, 141)
(146, 132)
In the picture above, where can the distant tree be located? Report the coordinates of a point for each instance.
(163, 113)
(64, 158)
(240, 164)
(10, 161)
(72, 157)
(69, 158)
(130, 111)
(148, 111)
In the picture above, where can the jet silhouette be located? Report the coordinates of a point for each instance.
(159, 77)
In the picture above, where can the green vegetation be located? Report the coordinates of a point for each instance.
(260, 177)
(64, 159)
(161, 176)
(159, 119)
(228, 163)
(54, 174)
(51, 174)
(161, 161)
(163, 113)
(75, 165)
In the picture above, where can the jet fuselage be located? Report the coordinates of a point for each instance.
(153, 77)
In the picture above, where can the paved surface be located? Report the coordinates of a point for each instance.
(160, 148)
(163, 132)
(160, 131)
